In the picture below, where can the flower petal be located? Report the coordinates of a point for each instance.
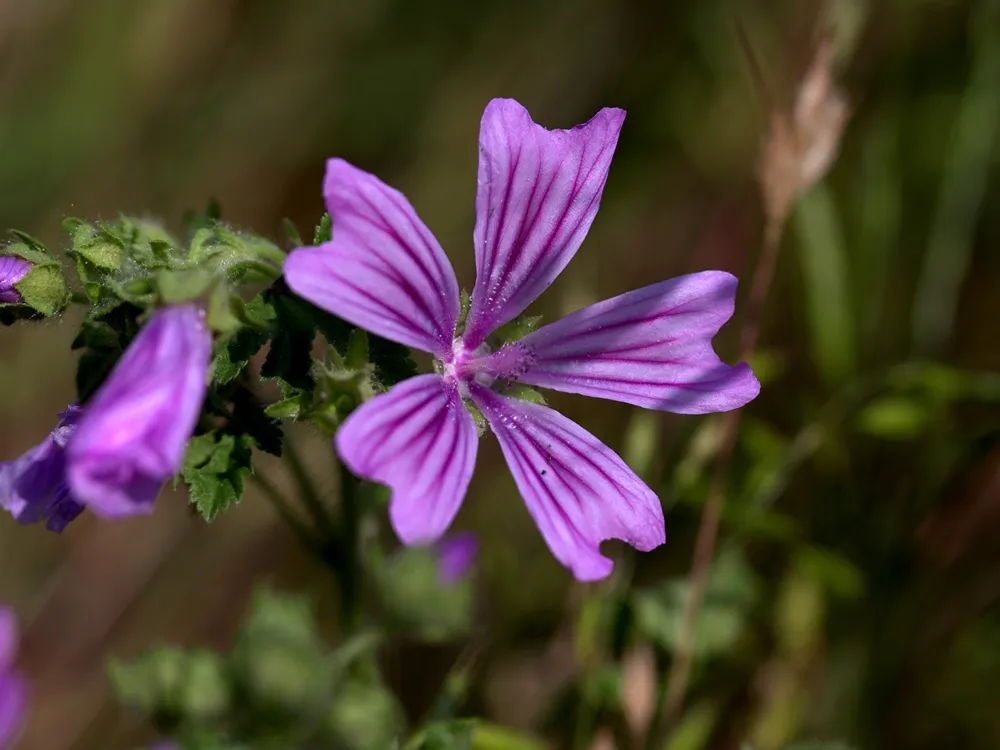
(383, 271)
(420, 440)
(13, 706)
(33, 486)
(651, 347)
(576, 488)
(9, 638)
(134, 431)
(12, 270)
(538, 194)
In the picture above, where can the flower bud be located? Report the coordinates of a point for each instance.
(134, 431)
(33, 487)
(12, 270)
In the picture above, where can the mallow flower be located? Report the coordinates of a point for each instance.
(383, 270)
(33, 487)
(134, 430)
(13, 688)
(12, 270)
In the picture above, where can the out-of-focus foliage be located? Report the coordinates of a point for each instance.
(854, 597)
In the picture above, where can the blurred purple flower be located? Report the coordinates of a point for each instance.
(134, 430)
(456, 554)
(13, 688)
(33, 487)
(538, 193)
(12, 270)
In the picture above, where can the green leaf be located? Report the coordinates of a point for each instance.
(249, 419)
(827, 294)
(182, 285)
(518, 328)
(195, 220)
(894, 418)
(324, 230)
(102, 246)
(834, 572)
(833, 745)
(103, 337)
(215, 469)
(465, 300)
(415, 599)
(488, 736)
(240, 348)
(294, 329)
(446, 735)
(44, 289)
(291, 232)
(365, 717)
(525, 393)
(731, 592)
(174, 684)
(694, 730)
(287, 408)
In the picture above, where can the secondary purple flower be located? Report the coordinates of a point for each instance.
(12, 270)
(538, 194)
(456, 554)
(134, 430)
(13, 688)
(33, 487)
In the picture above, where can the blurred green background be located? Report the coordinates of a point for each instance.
(856, 597)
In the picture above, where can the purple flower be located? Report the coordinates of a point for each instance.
(538, 194)
(456, 554)
(12, 270)
(13, 688)
(33, 487)
(134, 430)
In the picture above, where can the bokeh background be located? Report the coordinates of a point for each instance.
(859, 596)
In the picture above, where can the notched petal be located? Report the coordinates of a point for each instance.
(651, 347)
(578, 490)
(538, 194)
(383, 270)
(421, 441)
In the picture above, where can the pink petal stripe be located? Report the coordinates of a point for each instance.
(420, 440)
(539, 191)
(576, 488)
(383, 271)
(651, 347)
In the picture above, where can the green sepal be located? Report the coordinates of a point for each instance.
(516, 329)
(43, 289)
(524, 393)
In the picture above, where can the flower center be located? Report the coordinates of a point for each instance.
(485, 366)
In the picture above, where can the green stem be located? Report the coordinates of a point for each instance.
(298, 527)
(350, 570)
(311, 497)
